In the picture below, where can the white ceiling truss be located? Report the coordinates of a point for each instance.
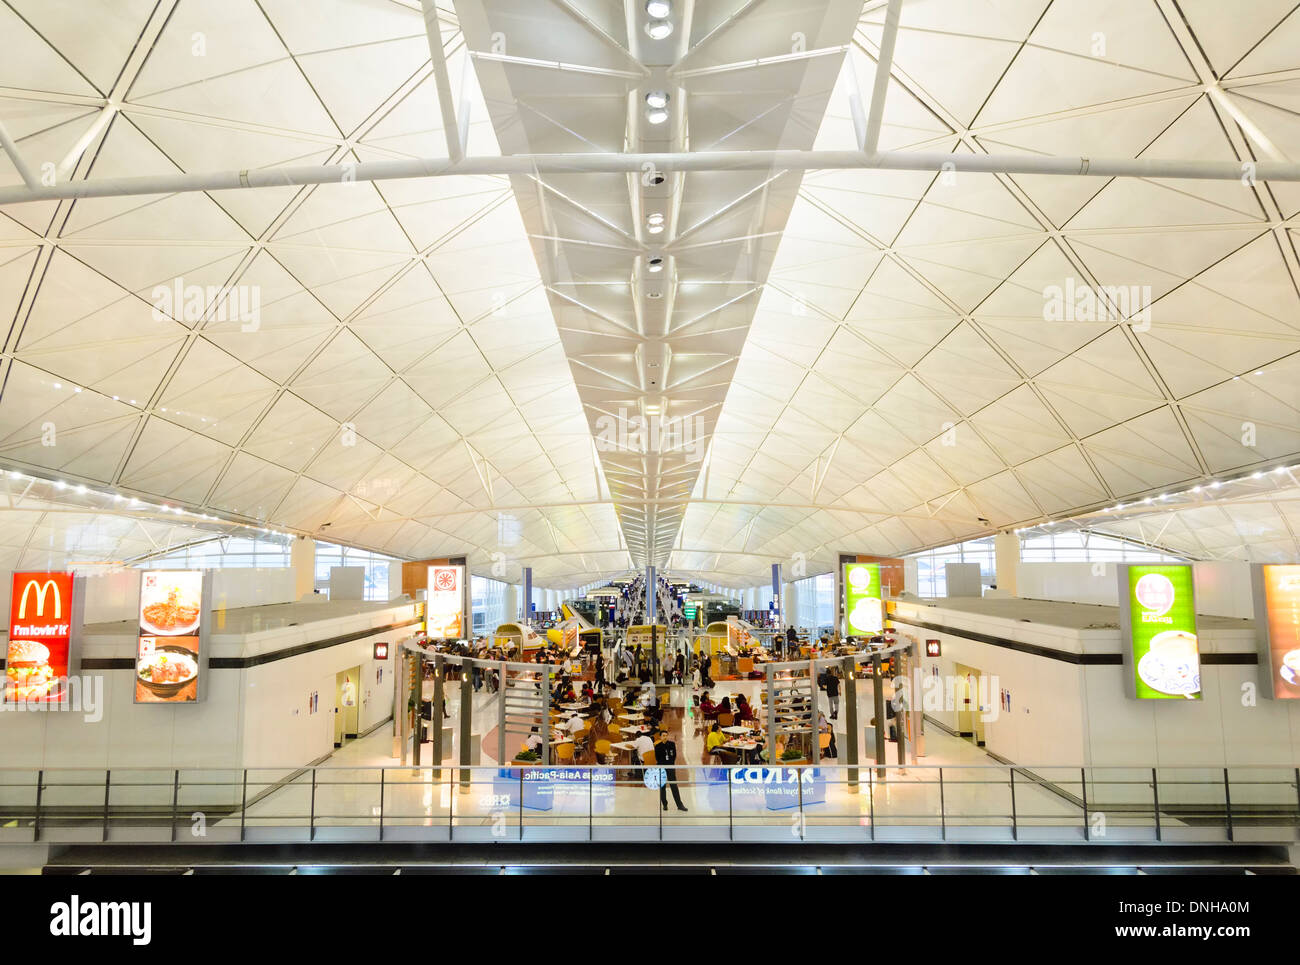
(449, 245)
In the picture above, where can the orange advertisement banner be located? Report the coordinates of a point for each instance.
(1282, 619)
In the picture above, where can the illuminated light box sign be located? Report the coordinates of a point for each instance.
(933, 648)
(1157, 619)
(1277, 624)
(44, 622)
(864, 611)
(445, 610)
(172, 633)
(381, 650)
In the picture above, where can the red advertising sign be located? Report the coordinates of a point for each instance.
(40, 637)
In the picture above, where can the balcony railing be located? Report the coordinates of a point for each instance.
(987, 803)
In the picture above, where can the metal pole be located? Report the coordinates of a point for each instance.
(466, 738)
(311, 820)
(850, 698)
(10, 148)
(871, 800)
(1015, 824)
(943, 814)
(771, 713)
(1155, 798)
(731, 814)
(107, 780)
(243, 805)
(617, 163)
(381, 804)
(1227, 801)
(881, 87)
(442, 80)
(1083, 786)
(878, 685)
(176, 793)
(435, 714)
(36, 821)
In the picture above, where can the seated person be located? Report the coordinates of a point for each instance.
(708, 708)
(743, 710)
(725, 706)
(716, 737)
(534, 741)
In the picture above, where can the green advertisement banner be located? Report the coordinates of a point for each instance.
(864, 609)
(1158, 620)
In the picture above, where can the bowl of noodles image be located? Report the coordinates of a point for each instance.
(171, 611)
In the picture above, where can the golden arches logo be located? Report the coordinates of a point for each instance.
(41, 590)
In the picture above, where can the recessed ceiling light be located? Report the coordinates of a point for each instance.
(656, 264)
(656, 98)
(654, 294)
(656, 115)
(658, 9)
(659, 29)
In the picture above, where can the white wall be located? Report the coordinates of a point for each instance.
(1075, 714)
(1222, 588)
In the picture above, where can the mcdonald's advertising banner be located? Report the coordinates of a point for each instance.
(44, 624)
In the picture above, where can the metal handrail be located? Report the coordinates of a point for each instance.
(122, 817)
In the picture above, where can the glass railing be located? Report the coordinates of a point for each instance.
(987, 803)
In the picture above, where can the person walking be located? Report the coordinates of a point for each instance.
(666, 757)
(833, 692)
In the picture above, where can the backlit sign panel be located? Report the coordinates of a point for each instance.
(1277, 625)
(864, 611)
(1157, 618)
(445, 613)
(171, 629)
(39, 655)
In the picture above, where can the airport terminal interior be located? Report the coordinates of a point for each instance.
(757, 436)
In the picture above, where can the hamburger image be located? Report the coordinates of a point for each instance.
(28, 670)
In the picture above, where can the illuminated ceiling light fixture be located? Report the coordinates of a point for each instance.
(656, 106)
(655, 264)
(659, 9)
(659, 29)
(654, 223)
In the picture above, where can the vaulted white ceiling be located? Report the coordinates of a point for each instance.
(860, 357)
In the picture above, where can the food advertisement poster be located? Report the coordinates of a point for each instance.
(445, 614)
(1158, 632)
(1277, 621)
(864, 610)
(42, 623)
(169, 659)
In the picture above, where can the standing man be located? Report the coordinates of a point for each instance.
(666, 756)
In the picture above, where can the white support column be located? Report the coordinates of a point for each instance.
(1006, 555)
(302, 560)
(881, 87)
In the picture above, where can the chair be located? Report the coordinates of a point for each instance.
(824, 740)
(664, 701)
(564, 752)
(745, 666)
(648, 757)
(726, 720)
(615, 733)
(604, 751)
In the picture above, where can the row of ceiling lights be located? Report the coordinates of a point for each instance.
(139, 505)
(1193, 491)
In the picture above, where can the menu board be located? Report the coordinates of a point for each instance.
(39, 657)
(169, 652)
(1157, 619)
(445, 613)
(864, 609)
(1277, 623)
